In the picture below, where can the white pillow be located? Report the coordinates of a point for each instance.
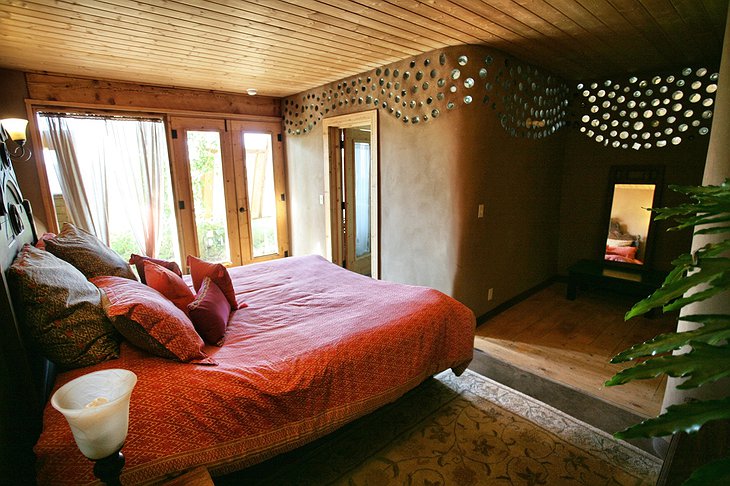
(612, 242)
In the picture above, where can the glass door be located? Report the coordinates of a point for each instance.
(259, 167)
(356, 195)
(230, 182)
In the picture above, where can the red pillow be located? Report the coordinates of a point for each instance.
(150, 321)
(138, 261)
(168, 284)
(199, 269)
(624, 251)
(209, 312)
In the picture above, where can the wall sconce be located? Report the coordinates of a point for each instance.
(14, 129)
(96, 407)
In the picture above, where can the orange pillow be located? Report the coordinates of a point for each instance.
(199, 269)
(138, 261)
(624, 251)
(168, 284)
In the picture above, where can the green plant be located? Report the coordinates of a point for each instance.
(696, 276)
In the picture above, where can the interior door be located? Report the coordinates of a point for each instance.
(356, 196)
(335, 198)
(229, 179)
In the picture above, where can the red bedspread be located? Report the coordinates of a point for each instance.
(317, 346)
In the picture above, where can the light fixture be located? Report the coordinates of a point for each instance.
(251, 91)
(14, 129)
(96, 406)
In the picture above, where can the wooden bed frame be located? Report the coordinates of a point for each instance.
(27, 378)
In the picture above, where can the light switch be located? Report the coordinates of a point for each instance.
(480, 213)
(321, 198)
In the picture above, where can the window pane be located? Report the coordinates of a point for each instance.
(206, 174)
(362, 199)
(261, 193)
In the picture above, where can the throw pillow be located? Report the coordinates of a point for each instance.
(168, 284)
(199, 269)
(209, 312)
(61, 310)
(150, 321)
(88, 253)
(138, 261)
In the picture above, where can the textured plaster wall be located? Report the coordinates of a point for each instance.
(305, 184)
(585, 195)
(433, 176)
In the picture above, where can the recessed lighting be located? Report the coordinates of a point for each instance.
(251, 91)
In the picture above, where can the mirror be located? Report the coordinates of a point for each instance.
(628, 235)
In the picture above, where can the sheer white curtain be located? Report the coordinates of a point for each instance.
(139, 174)
(83, 179)
(111, 171)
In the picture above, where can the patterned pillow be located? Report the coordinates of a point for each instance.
(138, 261)
(62, 310)
(168, 284)
(199, 269)
(88, 253)
(209, 312)
(150, 321)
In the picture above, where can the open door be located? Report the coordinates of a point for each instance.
(356, 195)
(351, 191)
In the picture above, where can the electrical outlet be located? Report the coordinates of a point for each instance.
(490, 294)
(480, 212)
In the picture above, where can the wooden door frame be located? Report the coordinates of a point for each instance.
(182, 184)
(333, 185)
(277, 148)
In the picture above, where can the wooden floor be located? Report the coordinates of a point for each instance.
(571, 342)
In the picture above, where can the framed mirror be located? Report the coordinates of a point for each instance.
(632, 190)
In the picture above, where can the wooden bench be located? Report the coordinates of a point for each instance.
(636, 281)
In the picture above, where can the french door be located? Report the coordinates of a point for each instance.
(229, 178)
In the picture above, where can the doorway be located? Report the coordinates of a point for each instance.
(351, 191)
(229, 178)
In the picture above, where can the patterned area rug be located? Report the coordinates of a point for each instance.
(463, 431)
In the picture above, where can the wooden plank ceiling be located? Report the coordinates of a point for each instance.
(283, 47)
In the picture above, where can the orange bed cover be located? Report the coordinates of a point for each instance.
(318, 346)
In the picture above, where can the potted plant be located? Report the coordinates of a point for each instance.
(696, 276)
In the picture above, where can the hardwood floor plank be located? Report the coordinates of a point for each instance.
(572, 342)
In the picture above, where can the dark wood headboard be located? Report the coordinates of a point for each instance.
(26, 377)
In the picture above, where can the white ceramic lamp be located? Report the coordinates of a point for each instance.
(16, 129)
(96, 407)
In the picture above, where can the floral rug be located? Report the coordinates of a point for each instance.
(463, 431)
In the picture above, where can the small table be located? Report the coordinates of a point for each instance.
(640, 282)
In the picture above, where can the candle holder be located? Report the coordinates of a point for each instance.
(96, 407)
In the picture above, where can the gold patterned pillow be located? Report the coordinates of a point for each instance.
(61, 310)
(88, 253)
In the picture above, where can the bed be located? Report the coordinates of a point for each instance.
(622, 246)
(316, 347)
